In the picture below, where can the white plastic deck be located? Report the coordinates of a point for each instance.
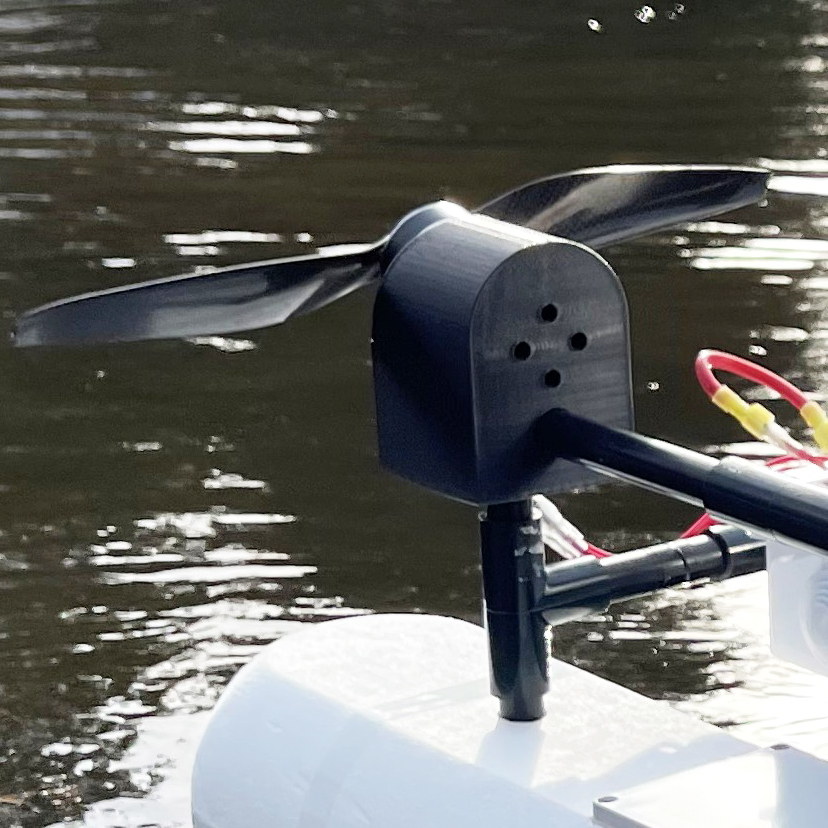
(782, 788)
(387, 722)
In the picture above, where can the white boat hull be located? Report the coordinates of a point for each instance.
(387, 722)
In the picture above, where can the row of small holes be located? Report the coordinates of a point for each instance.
(523, 350)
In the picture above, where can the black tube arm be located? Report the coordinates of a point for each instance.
(735, 489)
(588, 585)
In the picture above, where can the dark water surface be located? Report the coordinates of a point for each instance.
(167, 509)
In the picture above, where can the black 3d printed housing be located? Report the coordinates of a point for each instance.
(479, 328)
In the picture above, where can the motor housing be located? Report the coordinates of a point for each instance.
(479, 328)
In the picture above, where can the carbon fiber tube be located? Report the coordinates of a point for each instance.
(735, 489)
(588, 585)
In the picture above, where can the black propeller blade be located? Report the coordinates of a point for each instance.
(607, 205)
(231, 299)
(597, 207)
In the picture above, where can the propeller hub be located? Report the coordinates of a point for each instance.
(414, 223)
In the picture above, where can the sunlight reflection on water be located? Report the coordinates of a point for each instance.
(164, 514)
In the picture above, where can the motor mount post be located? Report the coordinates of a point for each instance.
(479, 326)
(514, 580)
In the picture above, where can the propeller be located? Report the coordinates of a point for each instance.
(597, 207)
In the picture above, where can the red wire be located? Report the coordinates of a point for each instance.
(704, 374)
(701, 524)
(597, 552)
(784, 459)
(708, 361)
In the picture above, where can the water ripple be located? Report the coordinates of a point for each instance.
(229, 128)
(231, 146)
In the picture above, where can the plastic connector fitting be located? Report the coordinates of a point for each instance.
(817, 419)
(754, 418)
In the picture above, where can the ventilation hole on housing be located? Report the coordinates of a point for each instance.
(552, 379)
(549, 313)
(522, 351)
(578, 341)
